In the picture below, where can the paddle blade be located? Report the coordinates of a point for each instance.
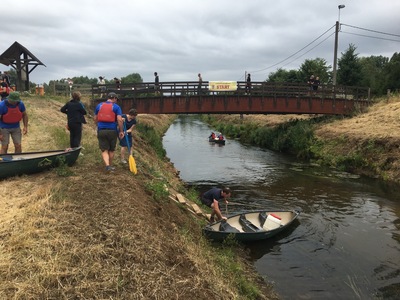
(132, 165)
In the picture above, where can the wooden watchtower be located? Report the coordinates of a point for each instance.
(23, 61)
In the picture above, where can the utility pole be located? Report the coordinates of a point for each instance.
(336, 45)
(335, 53)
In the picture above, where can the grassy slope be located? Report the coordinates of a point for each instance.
(103, 236)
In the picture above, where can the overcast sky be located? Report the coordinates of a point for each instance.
(221, 39)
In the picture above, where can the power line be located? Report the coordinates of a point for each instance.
(341, 24)
(310, 49)
(392, 34)
(293, 53)
(370, 36)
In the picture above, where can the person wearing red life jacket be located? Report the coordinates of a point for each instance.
(12, 111)
(108, 117)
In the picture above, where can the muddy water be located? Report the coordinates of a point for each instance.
(346, 242)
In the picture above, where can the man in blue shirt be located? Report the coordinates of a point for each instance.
(211, 199)
(108, 117)
(12, 111)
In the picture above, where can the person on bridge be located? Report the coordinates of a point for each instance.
(200, 84)
(102, 86)
(156, 83)
(108, 117)
(212, 197)
(316, 84)
(248, 84)
(117, 83)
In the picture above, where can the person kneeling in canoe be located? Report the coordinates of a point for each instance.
(212, 197)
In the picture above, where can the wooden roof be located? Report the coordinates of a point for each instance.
(13, 54)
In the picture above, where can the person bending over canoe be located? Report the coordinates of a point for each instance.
(212, 197)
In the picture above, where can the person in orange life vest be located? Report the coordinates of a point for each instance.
(12, 111)
(76, 117)
(212, 136)
(108, 117)
(220, 137)
(5, 88)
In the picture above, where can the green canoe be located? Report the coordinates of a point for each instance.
(34, 162)
(251, 226)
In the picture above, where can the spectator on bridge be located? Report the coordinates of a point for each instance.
(156, 83)
(316, 84)
(102, 86)
(117, 83)
(248, 84)
(310, 82)
(200, 84)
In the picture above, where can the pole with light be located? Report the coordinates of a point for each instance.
(336, 45)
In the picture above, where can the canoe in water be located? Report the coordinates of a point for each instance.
(251, 226)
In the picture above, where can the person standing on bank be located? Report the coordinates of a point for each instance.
(12, 111)
(5, 88)
(76, 117)
(212, 197)
(130, 123)
(108, 117)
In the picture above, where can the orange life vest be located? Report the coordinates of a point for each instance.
(13, 115)
(106, 113)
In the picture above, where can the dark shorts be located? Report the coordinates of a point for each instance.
(107, 139)
(207, 202)
(122, 142)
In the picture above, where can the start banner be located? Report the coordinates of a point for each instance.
(222, 86)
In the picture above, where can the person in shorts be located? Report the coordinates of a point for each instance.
(130, 123)
(108, 117)
(212, 197)
(12, 111)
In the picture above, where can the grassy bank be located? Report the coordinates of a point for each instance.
(367, 143)
(86, 234)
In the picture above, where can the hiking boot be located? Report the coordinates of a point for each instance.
(110, 169)
(212, 219)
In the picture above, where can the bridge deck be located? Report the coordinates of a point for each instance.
(263, 98)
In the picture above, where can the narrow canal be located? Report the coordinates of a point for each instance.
(346, 242)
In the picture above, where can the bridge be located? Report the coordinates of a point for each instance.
(261, 98)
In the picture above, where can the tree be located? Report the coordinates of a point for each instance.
(372, 73)
(349, 68)
(392, 73)
(282, 75)
(132, 78)
(317, 67)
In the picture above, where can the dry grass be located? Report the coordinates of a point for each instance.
(100, 236)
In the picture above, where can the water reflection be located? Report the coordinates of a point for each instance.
(346, 242)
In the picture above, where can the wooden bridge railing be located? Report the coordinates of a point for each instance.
(190, 88)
